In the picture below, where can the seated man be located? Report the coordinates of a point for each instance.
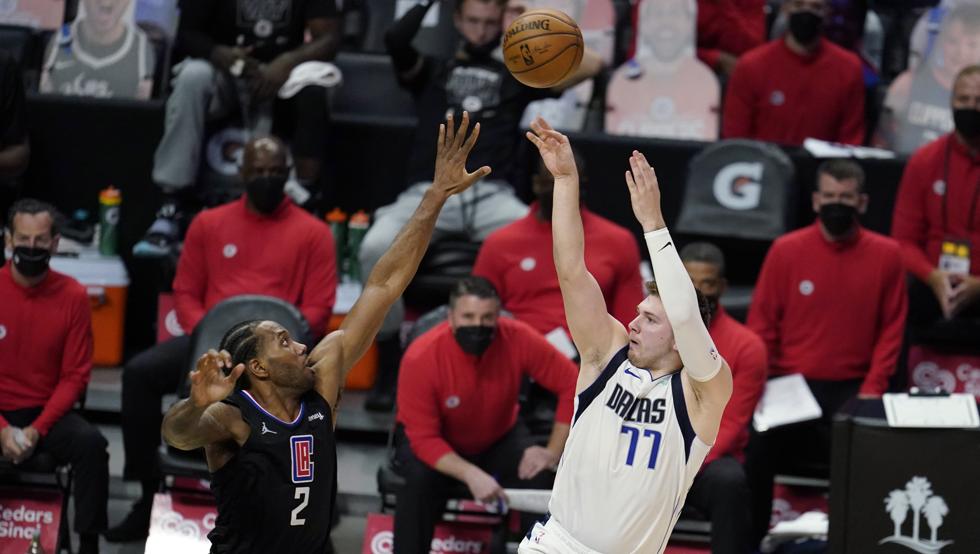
(517, 259)
(935, 221)
(259, 244)
(45, 364)
(103, 54)
(239, 54)
(473, 80)
(457, 411)
(721, 489)
(830, 305)
(797, 87)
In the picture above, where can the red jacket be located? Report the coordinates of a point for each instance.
(45, 346)
(451, 401)
(230, 250)
(732, 26)
(746, 355)
(917, 223)
(776, 95)
(519, 261)
(831, 310)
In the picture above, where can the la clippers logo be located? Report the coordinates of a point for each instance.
(302, 455)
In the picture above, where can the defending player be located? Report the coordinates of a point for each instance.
(269, 438)
(649, 399)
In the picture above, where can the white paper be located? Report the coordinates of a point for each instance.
(955, 410)
(347, 294)
(823, 149)
(431, 17)
(786, 400)
(810, 524)
(559, 339)
(528, 500)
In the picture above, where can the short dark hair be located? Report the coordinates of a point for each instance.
(703, 307)
(704, 252)
(476, 286)
(966, 72)
(841, 169)
(459, 3)
(31, 206)
(242, 342)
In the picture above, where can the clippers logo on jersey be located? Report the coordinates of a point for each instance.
(301, 451)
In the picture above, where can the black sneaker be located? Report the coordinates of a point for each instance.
(135, 527)
(163, 237)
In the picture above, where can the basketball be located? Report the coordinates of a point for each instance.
(543, 47)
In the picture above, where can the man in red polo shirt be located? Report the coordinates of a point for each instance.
(261, 243)
(45, 365)
(937, 222)
(830, 304)
(518, 260)
(721, 489)
(797, 87)
(457, 411)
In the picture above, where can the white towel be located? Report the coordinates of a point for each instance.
(324, 74)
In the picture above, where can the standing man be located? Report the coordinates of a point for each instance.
(45, 365)
(458, 411)
(261, 243)
(270, 445)
(477, 81)
(650, 400)
(830, 305)
(798, 86)
(721, 489)
(239, 52)
(937, 221)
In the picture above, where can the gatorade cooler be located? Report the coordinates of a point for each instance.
(107, 282)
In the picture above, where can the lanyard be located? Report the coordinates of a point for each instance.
(973, 203)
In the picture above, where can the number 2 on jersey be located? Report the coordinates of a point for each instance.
(634, 433)
(303, 495)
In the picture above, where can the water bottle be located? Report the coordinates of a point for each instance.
(35, 546)
(356, 229)
(109, 201)
(337, 219)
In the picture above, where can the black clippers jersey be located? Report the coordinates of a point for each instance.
(277, 493)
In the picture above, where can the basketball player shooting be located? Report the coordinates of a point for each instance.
(649, 399)
(265, 412)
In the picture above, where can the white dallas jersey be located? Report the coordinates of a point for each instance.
(629, 461)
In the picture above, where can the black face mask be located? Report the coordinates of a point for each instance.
(712, 304)
(480, 52)
(838, 218)
(31, 262)
(967, 122)
(266, 192)
(474, 339)
(805, 26)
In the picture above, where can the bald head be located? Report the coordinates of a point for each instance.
(264, 156)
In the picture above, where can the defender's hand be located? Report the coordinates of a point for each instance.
(452, 149)
(209, 384)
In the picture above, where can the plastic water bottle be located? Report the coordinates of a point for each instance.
(109, 203)
(35, 546)
(356, 229)
(337, 219)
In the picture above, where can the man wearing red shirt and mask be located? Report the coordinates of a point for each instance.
(261, 243)
(517, 259)
(830, 304)
(721, 489)
(797, 87)
(937, 222)
(457, 411)
(45, 365)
